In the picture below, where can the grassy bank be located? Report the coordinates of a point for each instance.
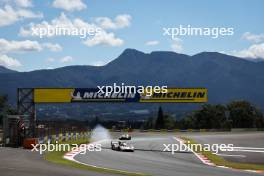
(57, 158)
(221, 161)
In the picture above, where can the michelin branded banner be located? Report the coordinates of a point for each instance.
(67, 95)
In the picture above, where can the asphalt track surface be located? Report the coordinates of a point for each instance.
(148, 158)
(20, 162)
(251, 145)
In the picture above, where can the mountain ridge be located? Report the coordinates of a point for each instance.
(129, 51)
(226, 77)
(6, 70)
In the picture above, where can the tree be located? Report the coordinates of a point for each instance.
(149, 123)
(260, 122)
(3, 103)
(160, 123)
(3, 107)
(210, 116)
(186, 122)
(169, 122)
(244, 115)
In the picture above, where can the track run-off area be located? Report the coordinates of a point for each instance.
(149, 156)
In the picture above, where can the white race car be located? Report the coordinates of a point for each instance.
(125, 137)
(121, 146)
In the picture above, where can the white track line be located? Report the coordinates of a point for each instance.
(250, 148)
(254, 151)
(70, 156)
(202, 158)
(221, 154)
(209, 163)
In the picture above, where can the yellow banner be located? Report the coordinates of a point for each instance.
(52, 95)
(66, 95)
(177, 95)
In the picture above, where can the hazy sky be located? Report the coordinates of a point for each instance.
(123, 24)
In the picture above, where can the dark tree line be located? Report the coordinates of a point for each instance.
(5, 108)
(237, 114)
(162, 121)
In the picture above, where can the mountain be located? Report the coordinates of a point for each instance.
(255, 60)
(226, 77)
(5, 70)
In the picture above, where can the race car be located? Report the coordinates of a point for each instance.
(121, 146)
(125, 137)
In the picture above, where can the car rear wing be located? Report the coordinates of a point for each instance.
(114, 142)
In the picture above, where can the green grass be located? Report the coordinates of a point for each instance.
(222, 162)
(57, 158)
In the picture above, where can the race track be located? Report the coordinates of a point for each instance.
(148, 158)
(20, 162)
(251, 146)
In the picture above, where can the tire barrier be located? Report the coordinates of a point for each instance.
(63, 137)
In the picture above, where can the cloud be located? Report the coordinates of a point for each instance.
(19, 46)
(52, 47)
(25, 46)
(104, 39)
(120, 21)
(9, 61)
(98, 38)
(24, 3)
(152, 43)
(254, 51)
(62, 60)
(8, 15)
(177, 45)
(66, 59)
(99, 63)
(255, 38)
(50, 59)
(57, 23)
(69, 5)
